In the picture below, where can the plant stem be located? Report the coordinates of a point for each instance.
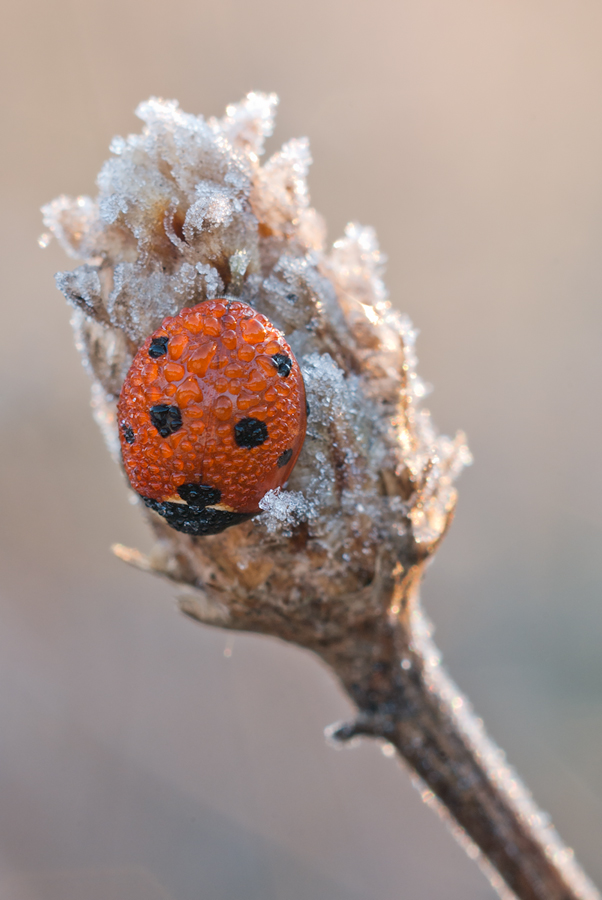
(405, 697)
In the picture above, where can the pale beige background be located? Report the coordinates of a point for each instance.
(137, 762)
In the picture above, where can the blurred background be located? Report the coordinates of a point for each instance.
(143, 757)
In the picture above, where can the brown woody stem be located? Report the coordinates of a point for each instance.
(404, 697)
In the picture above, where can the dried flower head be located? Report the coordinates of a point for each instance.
(185, 212)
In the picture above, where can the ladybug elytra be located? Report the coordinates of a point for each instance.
(212, 416)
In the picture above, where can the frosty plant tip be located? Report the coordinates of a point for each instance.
(328, 554)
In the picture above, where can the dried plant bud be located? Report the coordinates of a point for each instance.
(185, 212)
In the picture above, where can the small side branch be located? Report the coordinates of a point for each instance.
(334, 562)
(461, 772)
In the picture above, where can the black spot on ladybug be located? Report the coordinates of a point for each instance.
(128, 434)
(250, 432)
(198, 496)
(158, 347)
(166, 419)
(191, 520)
(307, 408)
(283, 363)
(284, 458)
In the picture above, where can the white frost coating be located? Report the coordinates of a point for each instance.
(281, 194)
(104, 416)
(433, 460)
(185, 212)
(360, 266)
(283, 509)
(176, 203)
(214, 286)
(493, 760)
(75, 224)
(247, 124)
(333, 395)
(332, 401)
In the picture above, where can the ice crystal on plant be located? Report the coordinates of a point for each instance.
(283, 509)
(185, 210)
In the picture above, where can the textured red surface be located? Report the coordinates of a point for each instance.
(217, 370)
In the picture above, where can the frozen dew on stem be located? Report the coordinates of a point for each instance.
(186, 212)
(283, 509)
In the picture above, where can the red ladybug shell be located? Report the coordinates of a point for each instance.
(212, 415)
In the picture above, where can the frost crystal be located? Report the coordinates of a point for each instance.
(283, 508)
(185, 211)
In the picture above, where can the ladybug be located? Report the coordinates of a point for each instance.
(212, 416)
